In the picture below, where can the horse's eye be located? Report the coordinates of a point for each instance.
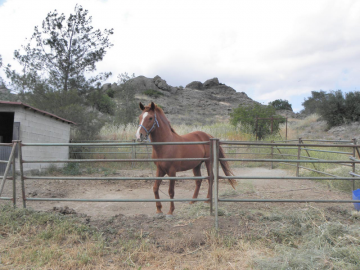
(150, 118)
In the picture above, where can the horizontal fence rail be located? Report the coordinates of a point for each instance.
(112, 144)
(115, 178)
(117, 160)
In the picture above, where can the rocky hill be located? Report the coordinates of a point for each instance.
(197, 103)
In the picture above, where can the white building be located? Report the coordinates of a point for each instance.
(19, 121)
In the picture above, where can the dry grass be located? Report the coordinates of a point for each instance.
(258, 238)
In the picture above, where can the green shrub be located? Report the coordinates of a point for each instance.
(334, 107)
(153, 93)
(101, 102)
(312, 104)
(246, 118)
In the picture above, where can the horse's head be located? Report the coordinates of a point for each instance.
(147, 121)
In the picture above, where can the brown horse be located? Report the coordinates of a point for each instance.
(153, 123)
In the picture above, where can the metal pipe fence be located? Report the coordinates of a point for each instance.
(214, 174)
(10, 165)
(353, 161)
(280, 146)
(132, 160)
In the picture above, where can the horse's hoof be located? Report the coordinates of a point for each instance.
(206, 201)
(159, 215)
(169, 216)
(192, 202)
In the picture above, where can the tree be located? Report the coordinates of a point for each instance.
(101, 102)
(127, 110)
(352, 105)
(280, 104)
(245, 118)
(312, 104)
(55, 66)
(5, 93)
(60, 54)
(337, 109)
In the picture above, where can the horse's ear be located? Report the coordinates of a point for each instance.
(142, 107)
(153, 106)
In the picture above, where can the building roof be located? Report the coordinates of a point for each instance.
(36, 110)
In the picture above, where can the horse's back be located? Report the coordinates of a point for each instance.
(196, 136)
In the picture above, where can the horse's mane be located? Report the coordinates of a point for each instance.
(160, 113)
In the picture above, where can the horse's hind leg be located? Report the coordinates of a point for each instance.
(208, 168)
(197, 172)
(157, 183)
(171, 193)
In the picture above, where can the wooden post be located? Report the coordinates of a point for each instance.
(286, 129)
(256, 128)
(298, 157)
(272, 155)
(272, 124)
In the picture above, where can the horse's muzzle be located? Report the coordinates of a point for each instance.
(142, 138)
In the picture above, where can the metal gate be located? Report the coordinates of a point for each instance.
(6, 150)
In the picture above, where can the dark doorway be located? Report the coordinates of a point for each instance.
(6, 127)
(6, 136)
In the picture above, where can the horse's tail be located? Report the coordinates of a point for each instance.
(226, 168)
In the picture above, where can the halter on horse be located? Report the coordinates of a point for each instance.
(154, 124)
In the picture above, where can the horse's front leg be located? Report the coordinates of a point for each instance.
(159, 173)
(208, 168)
(171, 193)
(197, 172)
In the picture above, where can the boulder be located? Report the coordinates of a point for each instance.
(195, 85)
(161, 84)
(141, 84)
(211, 83)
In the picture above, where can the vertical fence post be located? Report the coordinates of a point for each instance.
(256, 128)
(286, 129)
(272, 155)
(298, 157)
(14, 178)
(21, 164)
(216, 180)
(211, 180)
(353, 165)
(301, 142)
(132, 153)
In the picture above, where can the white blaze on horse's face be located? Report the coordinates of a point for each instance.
(138, 137)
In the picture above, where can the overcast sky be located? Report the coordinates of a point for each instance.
(267, 49)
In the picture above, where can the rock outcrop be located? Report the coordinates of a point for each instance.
(211, 83)
(197, 103)
(161, 84)
(195, 85)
